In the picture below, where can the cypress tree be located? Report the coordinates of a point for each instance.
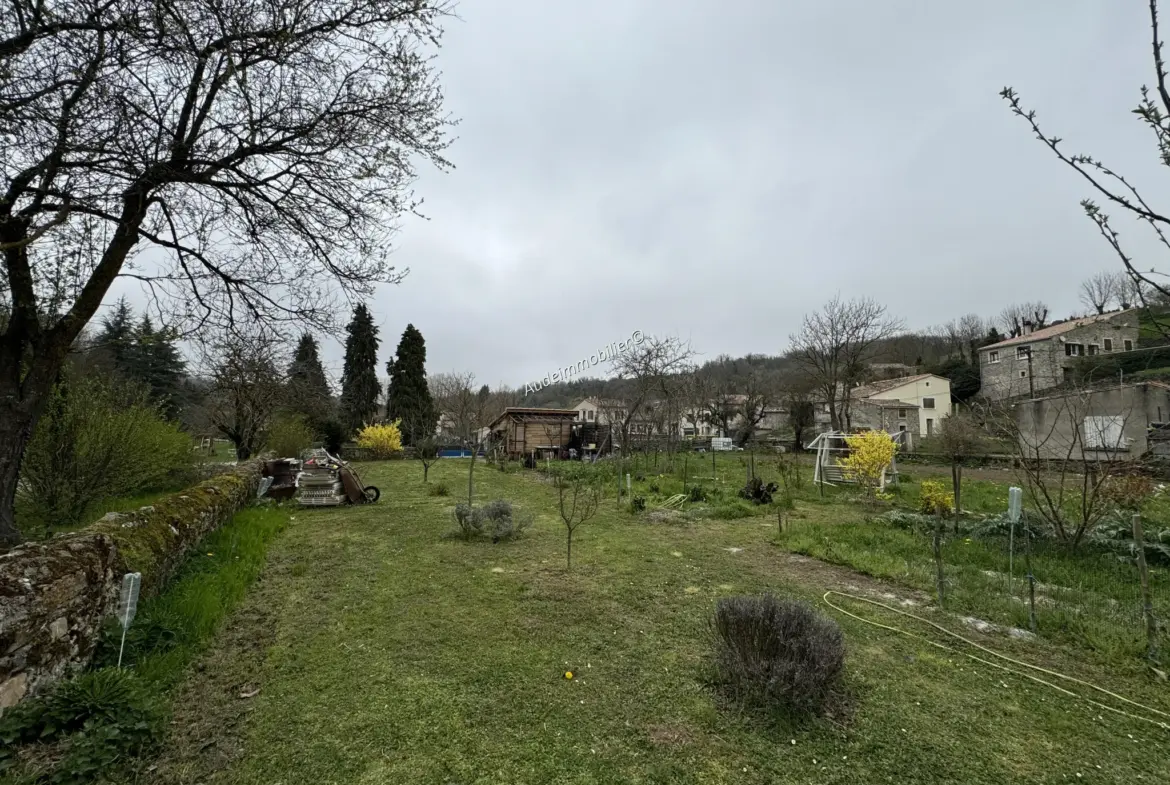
(408, 398)
(309, 392)
(359, 377)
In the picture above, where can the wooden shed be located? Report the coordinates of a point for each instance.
(533, 431)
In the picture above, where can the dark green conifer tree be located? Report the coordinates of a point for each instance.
(359, 377)
(408, 398)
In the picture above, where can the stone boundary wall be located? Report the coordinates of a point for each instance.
(55, 594)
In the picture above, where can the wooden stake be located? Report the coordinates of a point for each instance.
(938, 561)
(1147, 601)
(1031, 579)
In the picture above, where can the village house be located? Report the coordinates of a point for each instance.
(1042, 359)
(1108, 423)
(924, 397)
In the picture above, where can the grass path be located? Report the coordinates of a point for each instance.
(387, 653)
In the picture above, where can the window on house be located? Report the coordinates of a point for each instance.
(1104, 433)
(1022, 352)
(590, 415)
(1108, 342)
(993, 357)
(1074, 350)
(902, 413)
(1093, 349)
(901, 429)
(1128, 345)
(1023, 374)
(928, 403)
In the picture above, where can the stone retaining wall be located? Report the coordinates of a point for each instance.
(55, 595)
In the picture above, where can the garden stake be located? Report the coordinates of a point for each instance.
(1147, 602)
(1031, 580)
(127, 606)
(1015, 507)
(938, 562)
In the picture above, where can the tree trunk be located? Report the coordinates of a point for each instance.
(14, 436)
(471, 479)
(426, 470)
(957, 487)
(21, 405)
(569, 550)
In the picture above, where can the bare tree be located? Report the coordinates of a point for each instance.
(247, 388)
(1068, 453)
(644, 368)
(759, 394)
(697, 397)
(261, 151)
(1099, 291)
(834, 345)
(1013, 318)
(578, 498)
(427, 451)
(458, 403)
(959, 438)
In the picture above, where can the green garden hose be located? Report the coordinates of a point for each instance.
(1161, 723)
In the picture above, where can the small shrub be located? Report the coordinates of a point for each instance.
(870, 452)
(638, 504)
(470, 523)
(757, 492)
(697, 493)
(777, 654)
(934, 498)
(907, 521)
(104, 713)
(100, 438)
(654, 488)
(438, 489)
(289, 435)
(496, 519)
(381, 440)
(732, 510)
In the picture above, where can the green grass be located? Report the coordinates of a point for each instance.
(173, 628)
(401, 655)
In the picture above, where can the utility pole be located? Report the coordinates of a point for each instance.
(1031, 383)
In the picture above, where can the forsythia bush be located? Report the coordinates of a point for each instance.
(934, 497)
(870, 452)
(381, 440)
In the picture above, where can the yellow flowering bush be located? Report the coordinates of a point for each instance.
(933, 497)
(381, 440)
(870, 452)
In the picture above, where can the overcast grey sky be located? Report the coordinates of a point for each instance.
(715, 170)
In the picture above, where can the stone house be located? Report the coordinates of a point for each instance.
(1042, 359)
(928, 394)
(1106, 423)
(892, 416)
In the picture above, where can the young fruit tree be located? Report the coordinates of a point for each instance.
(243, 162)
(578, 497)
(959, 438)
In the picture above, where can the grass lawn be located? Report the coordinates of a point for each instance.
(386, 652)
